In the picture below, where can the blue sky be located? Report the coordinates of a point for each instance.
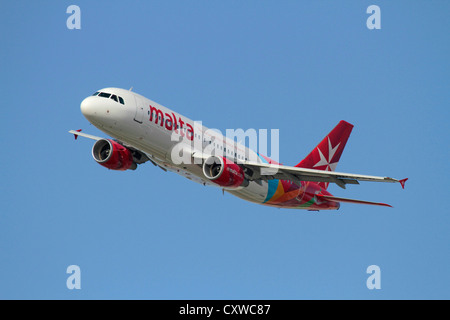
(296, 66)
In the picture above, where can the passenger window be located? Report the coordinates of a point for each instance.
(114, 97)
(121, 100)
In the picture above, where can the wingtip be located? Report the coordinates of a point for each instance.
(383, 204)
(75, 135)
(402, 182)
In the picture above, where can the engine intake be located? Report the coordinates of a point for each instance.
(224, 172)
(113, 155)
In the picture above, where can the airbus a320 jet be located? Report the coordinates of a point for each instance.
(143, 130)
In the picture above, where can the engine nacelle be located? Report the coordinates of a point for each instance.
(224, 172)
(113, 155)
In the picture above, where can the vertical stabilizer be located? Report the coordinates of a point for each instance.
(328, 152)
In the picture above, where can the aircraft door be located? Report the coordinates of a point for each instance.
(139, 116)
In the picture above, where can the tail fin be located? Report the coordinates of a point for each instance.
(328, 152)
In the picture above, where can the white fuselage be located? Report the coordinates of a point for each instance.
(163, 134)
(146, 130)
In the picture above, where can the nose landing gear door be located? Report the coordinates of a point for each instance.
(139, 116)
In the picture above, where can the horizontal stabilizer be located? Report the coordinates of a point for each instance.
(337, 199)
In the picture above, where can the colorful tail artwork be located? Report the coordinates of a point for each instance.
(328, 152)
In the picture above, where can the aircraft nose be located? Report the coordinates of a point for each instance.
(87, 107)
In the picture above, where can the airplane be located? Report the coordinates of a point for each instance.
(143, 130)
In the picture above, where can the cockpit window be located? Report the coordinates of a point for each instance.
(114, 97)
(104, 95)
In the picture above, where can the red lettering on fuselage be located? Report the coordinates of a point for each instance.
(158, 115)
(168, 122)
(190, 132)
(171, 124)
(175, 126)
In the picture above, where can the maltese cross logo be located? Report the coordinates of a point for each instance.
(327, 162)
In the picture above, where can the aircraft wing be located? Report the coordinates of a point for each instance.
(78, 132)
(266, 171)
(263, 171)
(139, 157)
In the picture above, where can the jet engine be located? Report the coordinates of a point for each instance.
(113, 155)
(224, 172)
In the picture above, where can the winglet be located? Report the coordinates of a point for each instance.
(402, 182)
(75, 135)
